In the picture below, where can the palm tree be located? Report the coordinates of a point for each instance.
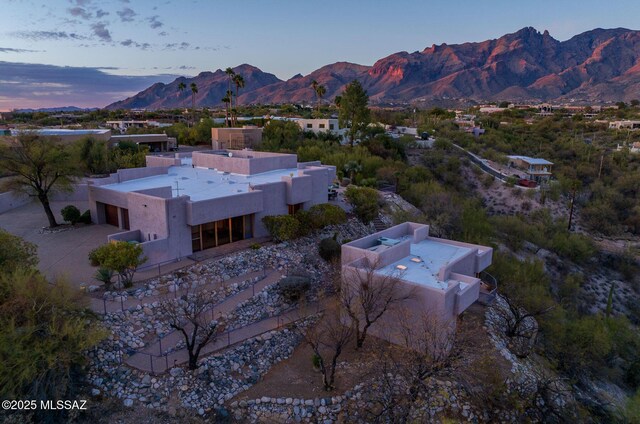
(230, 73)
(320, 90)
(226, 100)
(194, 91)
(238, 80)
(181, 87)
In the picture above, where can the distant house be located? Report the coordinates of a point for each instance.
(538, 170)
(124, 125)
(66, 135)
(634, 148)
(441, 276)
(624, 125)
(155, 142)
(246, 137)
(320, 126)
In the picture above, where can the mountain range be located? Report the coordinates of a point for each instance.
(595, 66)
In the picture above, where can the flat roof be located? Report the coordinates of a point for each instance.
(57, 131)
(201, 183)
(532, 161)
(424, 262)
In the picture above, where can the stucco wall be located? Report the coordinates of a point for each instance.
(299, 188)
(153, 161)
(224, 207)
(10, 200)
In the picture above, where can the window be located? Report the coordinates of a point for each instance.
(331, 126)
(309, 126)
(321, 125)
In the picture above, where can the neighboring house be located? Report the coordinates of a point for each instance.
(321, 125)
(538, 170)
(624, 125)
(155, 142)
(398, 131)
(633, 148)
(123, 126)
(246, 137)
(180, 205)
(441, 276)
(66, 135)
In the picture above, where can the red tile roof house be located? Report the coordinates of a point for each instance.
(441, 276)
(186, 203)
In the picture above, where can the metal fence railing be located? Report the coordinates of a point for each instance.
(161, 363)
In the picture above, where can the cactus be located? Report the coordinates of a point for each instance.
(610, 300)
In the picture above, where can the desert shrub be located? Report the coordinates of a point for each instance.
(70, 214)
(326, 214)
(16, 253)
(293, 287)
(105, 276)
(45, 333)
(120, 256)
(369, 182)
(364, 201)
(305, 220)
(255, 246)
(85, 218)
(576, 247)
(282, 227)
(511, 181)
(329, 249)
(487, 180)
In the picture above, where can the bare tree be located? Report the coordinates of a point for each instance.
(403, 379)
(191, 314)
(520, 324)
(328, 339)
(366, 295)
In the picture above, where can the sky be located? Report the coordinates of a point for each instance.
(90, 53)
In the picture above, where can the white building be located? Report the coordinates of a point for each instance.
(624, 125)
(321, 125)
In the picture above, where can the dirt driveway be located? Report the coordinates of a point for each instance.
(62, 254)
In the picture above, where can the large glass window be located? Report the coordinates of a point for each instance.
(222, 228)
(248, 226)
(208, 235)
(195, 238)
(217, 233)
(237, 232)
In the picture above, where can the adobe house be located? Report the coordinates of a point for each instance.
(441, 276)
(191, 202)
(246, 137)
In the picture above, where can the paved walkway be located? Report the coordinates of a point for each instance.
(143, 359)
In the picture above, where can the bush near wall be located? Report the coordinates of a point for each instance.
(282, 227)
(326, 214)
(364, 201)
(329, 249)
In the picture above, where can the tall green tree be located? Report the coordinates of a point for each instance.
(238, 81)
(45, 333)
(353, 111)
(39, 166)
